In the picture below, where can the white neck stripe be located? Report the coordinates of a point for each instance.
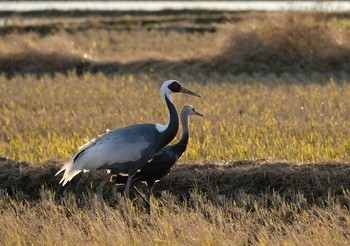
(161, 128)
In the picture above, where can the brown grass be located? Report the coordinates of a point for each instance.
(245, 43)
(176, 224)
(292, 42)
(247, 203)
(35, 61)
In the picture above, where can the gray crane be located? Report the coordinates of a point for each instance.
(126, 150)
(164, 160)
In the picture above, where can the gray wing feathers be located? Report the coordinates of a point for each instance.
(123, 145)
(118, 146)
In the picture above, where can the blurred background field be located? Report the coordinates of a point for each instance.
(268, 164)
(195, 41)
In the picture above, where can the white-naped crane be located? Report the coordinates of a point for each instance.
(163, 161)
(126, 150)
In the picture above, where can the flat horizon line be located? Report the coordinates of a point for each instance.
(323, 6)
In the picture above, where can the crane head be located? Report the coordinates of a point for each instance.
(189, 110)
(172, 86)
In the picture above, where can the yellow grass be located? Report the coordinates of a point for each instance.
(50, 118)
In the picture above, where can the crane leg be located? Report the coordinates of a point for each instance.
(150, 188)
(126, 196)
(141, 195)
(99, 191)
(127, 188)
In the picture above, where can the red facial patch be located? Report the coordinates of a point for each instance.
(175, 87)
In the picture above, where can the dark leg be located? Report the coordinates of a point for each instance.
(127, 188)
(140, 194)
(150, 187)
(126, 198)
(99, 191)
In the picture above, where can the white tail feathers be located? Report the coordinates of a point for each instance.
(72, 169)
(69, 172)
(63, 168)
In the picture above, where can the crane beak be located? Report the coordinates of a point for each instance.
(196, 113)
(187, 91)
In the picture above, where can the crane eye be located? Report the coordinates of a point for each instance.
(175, 86)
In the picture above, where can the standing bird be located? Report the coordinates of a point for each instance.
(163, 161)
(126, 150)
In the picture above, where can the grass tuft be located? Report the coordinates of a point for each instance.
(286, 42)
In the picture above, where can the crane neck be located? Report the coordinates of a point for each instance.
(172, 126)
(184, 122)
(185, 130)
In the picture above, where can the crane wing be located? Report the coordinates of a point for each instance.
(122, 145)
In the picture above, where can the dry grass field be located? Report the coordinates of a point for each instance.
(274, 86)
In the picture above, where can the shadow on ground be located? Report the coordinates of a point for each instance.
(316, 183)
(50, 63)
